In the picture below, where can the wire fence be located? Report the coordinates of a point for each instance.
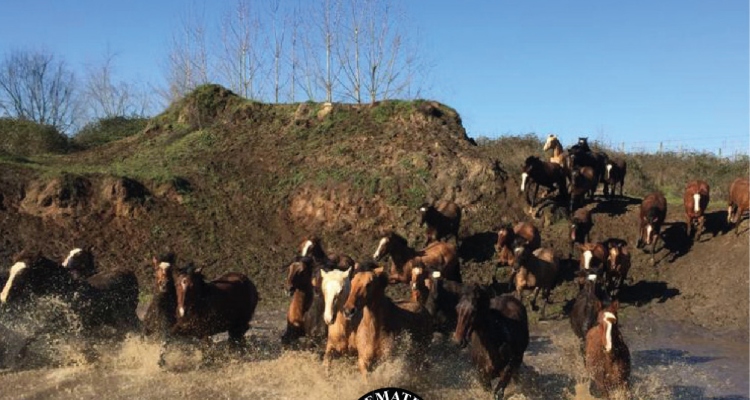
(732, 147)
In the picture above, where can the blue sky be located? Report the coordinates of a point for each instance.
(632, 72)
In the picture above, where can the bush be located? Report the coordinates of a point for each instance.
(27, 138)
(107, 130)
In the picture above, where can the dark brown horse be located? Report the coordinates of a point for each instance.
(536, 270)
(438, 296)
(582, 181)
(523, 234)
(80, 263)
(382, 318)
(580, 227)
(443, 219)
(696, 198)
(225, 304)
(588, 303)
(617, 266)
(439, 256)
(652, 214)
(305, 315)
(614, 174)
(537, 172)
(607, 355)
(497, 330)
(739, 202)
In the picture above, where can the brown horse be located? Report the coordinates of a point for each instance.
(312, 246)
(607, 355)
(537, 172)
(439, 256)
(438, 296)
(535, 270)
(695, 199)
(593, 256)
(739, 202)
(497, 330)
(588, 303)
(614, 174)
(652, 214)
(382, 319)
(618, 265)
(442, 219)
(580, 227)
(523, 234)
(305, 314)
(160, 315)
(582, 181)
(226, 304)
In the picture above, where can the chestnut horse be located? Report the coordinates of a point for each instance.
(161, 312)
(695, 199)
(618, 265)
(226, 304)
(497, 330)
(593, 256)
(739, 202)
(342, 332)
(312, 246)
(523, 234)
(536, 270)
(305, 315)
(382, 319)
(652, 214)
(440, 256)
(607, 356)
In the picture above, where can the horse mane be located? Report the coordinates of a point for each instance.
(26, 255)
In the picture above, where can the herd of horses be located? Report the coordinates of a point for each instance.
(344, 303)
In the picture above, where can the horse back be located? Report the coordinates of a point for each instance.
(235, 293)
(739, 193)
(410, 316)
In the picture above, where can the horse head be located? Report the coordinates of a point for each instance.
(335, 285)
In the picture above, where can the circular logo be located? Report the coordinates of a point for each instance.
(390, 393)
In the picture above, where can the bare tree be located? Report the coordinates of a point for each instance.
(187, 62)
(105, 98)
(277, 39)
(348, 49)
(36, 86)
(240, 64)
(320, 64)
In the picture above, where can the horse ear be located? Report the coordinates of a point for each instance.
(323, 273)
(348, 271)
(155, 262)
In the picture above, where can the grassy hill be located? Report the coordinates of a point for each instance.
(234, 185)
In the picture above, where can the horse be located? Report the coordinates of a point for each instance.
(522, 234)
(497, 330)
(581, 155)
(618, 265)
(543, 173)
(580, 227)
(33, 275)
(558, 154)
(582, 181)
(161, 314)
(593, 256)
(437, 295)
(304, 317)
(739, 203)
(225, 304)
(312, 246)
(614, 174)
(607, 356)
(588, 303)
(440, 256)
(535, 270)
(442, 219)
(653, 211)
(342, 332)
(382, 319)
(118, 289)
(695, 199)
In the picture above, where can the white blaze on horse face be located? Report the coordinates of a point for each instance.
(649, 229)
(523, 180)
(436, 274)
(415, 272)
(381, 245)
(592, 277)
(587, 256)
(306, 248)
(333, 284)
(164, 265)
(696, 202)
(70, 256)
(182, 311)
(729, 214)
(14, 270)
(423, 209)
(609, 168)
(609, 319)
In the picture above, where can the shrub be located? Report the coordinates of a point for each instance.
(27, 138)
(107, 130)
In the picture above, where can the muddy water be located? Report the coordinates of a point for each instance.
(670, 360)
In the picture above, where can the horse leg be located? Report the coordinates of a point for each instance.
(506, 371)
(533, 299)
